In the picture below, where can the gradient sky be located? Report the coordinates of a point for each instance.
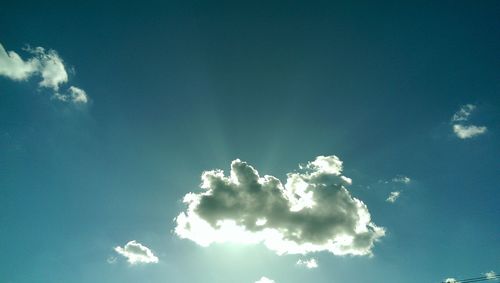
(179, 87)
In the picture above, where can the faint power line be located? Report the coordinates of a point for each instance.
(477, 279)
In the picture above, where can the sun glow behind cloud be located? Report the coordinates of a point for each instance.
(312, 212)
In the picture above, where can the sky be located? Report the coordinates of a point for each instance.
(249, 141)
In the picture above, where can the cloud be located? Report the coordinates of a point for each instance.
(136, 253)
(78, 95)
(14, 67)
(464, 113)
(75, 95)
(51, 67)
(46, 64)
(313, 211)
(451, 280)
(401, 179)
(111, 260)
(309, 263)
(264, 280)
(491, 275)
(466, 132)
(393, 196)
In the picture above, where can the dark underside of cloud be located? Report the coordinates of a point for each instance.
(313, 211)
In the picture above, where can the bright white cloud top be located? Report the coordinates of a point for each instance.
(309, 263)
(466, 131)
(46, 64)
(312, 212)
(265, 280)
(136, 253)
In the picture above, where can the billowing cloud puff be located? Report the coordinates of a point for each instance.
(264, 280)
(78, 95)
(309, 263)
(393, 196)
(136, 253)
(50, 67)
(46, 64)
(466, 131)
(451, 280)
(313, 211)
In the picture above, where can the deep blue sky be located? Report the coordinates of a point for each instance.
(181, 87)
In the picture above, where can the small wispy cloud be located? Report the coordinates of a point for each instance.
(309, 263)
(464, 113)
(74, 94)
(111, 259)
(265, 280)
(401, 179)
(393, 196)
(398, 179)
(467, 132)
(491, 275)
(461, 130)
(46, 64)
(136, 253)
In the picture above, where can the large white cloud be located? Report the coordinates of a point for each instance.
(466, 131)
(46, 64)
(137, 253)
(313, 211)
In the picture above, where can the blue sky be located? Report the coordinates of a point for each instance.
(106, 129)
